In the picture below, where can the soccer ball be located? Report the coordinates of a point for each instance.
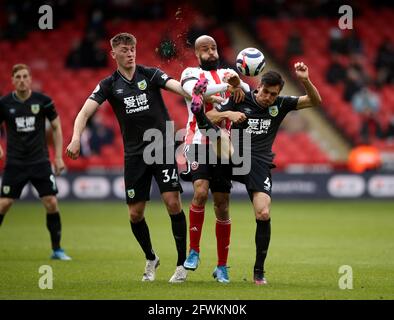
(250, 62)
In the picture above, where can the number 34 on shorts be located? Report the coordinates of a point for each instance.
(170, 174)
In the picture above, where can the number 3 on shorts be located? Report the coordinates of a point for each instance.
(167, 177)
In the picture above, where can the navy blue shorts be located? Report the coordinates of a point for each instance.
(40, 175)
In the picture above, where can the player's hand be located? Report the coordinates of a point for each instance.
(73, 149)
(214, 99)
(237, 117)
(59, 166)
(238, 94)
(301, 71)
(232, 79)
(1, 153)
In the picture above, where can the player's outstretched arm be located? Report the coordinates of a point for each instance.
(211, 88)
(217, 117)
(312, 97)
(58, 145)
(88, 109)
(214, 99)
(176, 87)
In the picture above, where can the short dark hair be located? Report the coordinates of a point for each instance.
(272, 78)
(20, 66)
(123, 38)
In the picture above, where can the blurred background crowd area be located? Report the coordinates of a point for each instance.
(352, 68)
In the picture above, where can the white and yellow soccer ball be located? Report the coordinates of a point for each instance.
(250, 62)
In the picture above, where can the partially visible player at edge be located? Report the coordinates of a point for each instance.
(24, 111)
(205, 176)
(265, 110)
(134, 94)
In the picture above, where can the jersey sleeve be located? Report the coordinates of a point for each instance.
(102, 91)
(49, 109)
(289, 103)
(157, 77)
(227, 105)
(189, 74)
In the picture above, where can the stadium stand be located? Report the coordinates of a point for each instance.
(46, 52)
(371, 26)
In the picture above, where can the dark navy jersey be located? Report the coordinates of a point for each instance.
(25, 122)
(138, 104)
(262, 123)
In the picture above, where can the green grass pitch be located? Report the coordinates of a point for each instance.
(310, 241)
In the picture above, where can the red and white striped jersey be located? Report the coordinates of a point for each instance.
(193, 134)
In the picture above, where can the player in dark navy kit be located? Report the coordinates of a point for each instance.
(265, 110)
(24, 112)
(134, 94)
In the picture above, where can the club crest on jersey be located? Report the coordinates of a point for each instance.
(35, 108)
(273, 111)
(194, 165)
(142, 85)
(6, 189)
(131, 193)
(248, 110)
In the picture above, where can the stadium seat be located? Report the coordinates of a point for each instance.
(70, 88)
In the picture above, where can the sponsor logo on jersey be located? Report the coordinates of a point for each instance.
(131, 193)
(142, 85)
(136, 103)
(273, 111)
(6, 189)
(25, 124)
(258, 126)
(35, 108)
(119, 91)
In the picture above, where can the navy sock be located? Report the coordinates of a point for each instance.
(55, 229)
(178, 224)
(262, 239)
(141, 233)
